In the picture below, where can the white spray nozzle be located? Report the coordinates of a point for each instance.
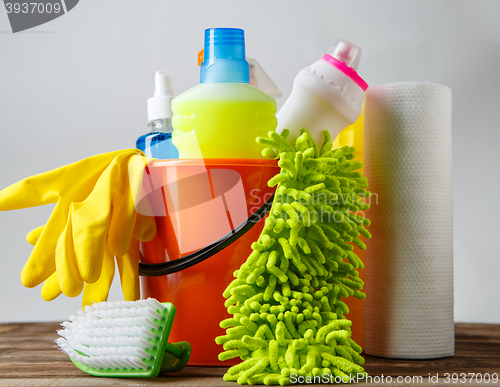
(346, 52)
(164, 86)
(159, 105)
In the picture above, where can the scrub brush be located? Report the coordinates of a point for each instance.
(125, 338)
(288, 319)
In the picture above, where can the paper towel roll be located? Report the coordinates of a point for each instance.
(409, 261)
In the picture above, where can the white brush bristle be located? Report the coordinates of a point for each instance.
(113, 335)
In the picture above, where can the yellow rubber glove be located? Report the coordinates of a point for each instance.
(127, 267)
(70, 183)
(94, 219)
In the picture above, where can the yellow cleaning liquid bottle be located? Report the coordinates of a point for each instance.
(222, 116)
(353, 136)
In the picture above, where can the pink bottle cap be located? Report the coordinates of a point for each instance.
(345, 57)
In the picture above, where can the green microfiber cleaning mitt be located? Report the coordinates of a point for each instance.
(286, 301)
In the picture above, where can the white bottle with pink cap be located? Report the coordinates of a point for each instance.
(326, 95)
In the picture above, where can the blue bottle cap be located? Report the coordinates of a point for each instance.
(224, 57)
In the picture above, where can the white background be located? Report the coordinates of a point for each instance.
(78, 85)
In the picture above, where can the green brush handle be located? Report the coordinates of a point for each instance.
(176, 356)
(172, 349)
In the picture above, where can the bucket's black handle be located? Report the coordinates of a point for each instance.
(164, 268)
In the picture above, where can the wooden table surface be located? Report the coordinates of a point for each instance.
(28, 357)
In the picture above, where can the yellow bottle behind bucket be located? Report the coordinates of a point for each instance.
(223, 115)
(353, 136)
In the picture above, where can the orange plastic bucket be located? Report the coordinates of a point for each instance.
(198, 202)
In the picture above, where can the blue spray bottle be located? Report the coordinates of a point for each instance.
(158, 142)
